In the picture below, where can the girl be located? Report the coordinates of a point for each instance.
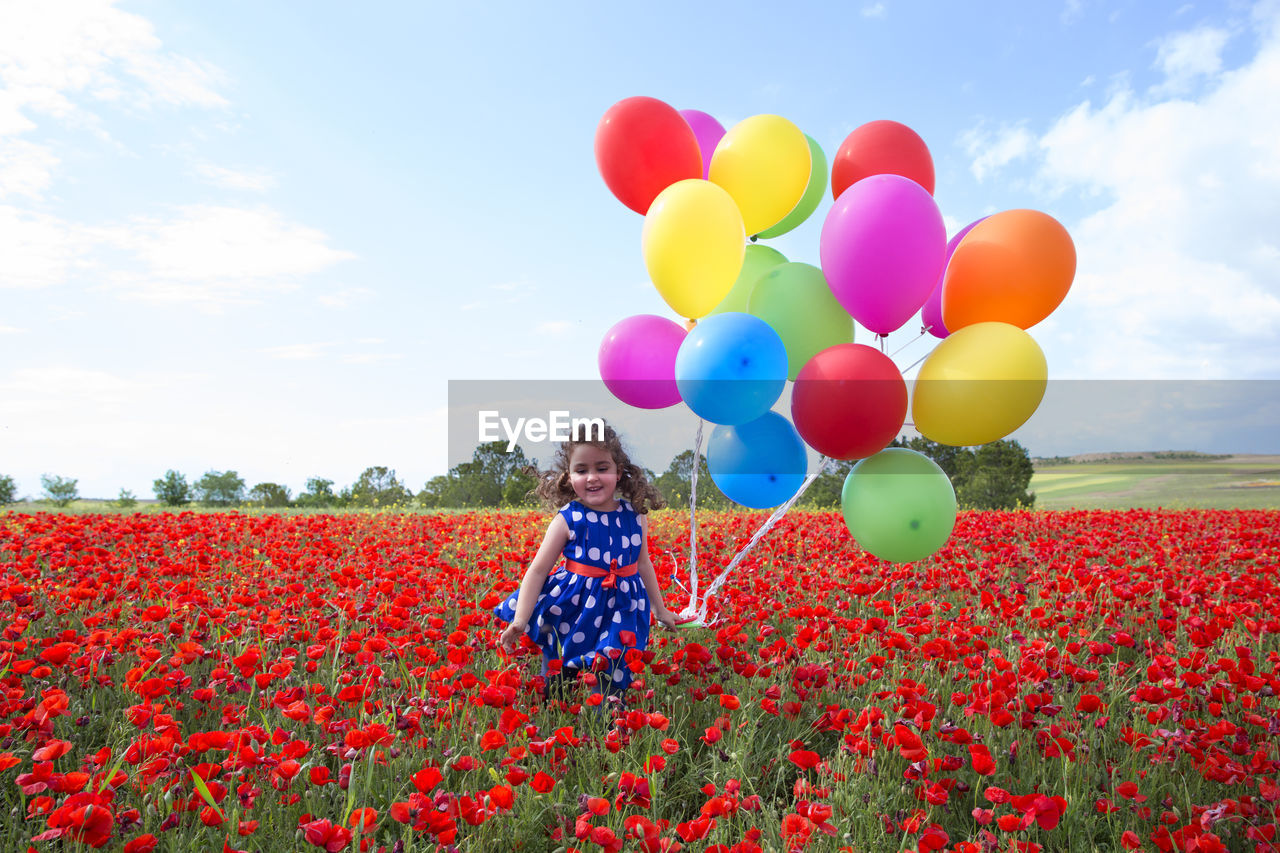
(595, 606)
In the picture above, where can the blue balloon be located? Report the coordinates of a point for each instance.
(731, 368)
(758, 464)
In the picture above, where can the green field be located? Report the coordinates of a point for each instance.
(1244, 482)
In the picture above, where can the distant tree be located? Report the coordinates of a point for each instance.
(172, 489)
(493, 461)
(955, 462)
(676, 483)
(126, 499)
(224, 488)
(60, 491)
(515, 491)
(992, 476)
(377, 487)
(319, 493)
(271, 495)
(998, 478)
(493, 477)
(470, 486)
(8, 490)
(433, 493)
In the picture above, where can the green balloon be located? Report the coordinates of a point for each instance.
(813, 194)
(899, 505)
(795, 300)
(757, 261)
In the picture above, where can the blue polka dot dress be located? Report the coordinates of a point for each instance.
(577, 618)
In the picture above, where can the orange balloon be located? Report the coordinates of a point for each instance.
(1014, 267)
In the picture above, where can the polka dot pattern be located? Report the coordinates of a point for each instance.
(574, 619)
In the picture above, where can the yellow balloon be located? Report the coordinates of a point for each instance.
(980, 384)
(764, 163)
(693, 243)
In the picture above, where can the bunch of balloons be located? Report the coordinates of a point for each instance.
(755, 321)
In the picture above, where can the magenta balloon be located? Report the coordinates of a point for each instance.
(708, 131)
(931, 312)
(637, 361)
(882, 249)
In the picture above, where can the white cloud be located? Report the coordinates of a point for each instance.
(235, 179)
(344, 298)
(296, 352)
(1185, 56)
(60, 60)
(12, 121)
(215, 256)
(311, 351)
(1178, 273)
(52, 48)
(11, 330)
(79, 395)
(874, 10)
(26, 168)
(370, 357)
(37, 249)
(993, 150)
(218, 255)
(512, 286)
(554, 327)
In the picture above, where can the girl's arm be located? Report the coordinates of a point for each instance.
(534, 577)
(645, 568)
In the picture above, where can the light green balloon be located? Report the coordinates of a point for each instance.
(813, 193)
(899, 505)
(795, 300)
(757, 261)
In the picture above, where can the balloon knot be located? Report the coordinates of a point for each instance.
(689, 324)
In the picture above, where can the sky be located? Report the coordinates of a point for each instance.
(266, 237)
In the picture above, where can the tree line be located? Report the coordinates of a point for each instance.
(376, 487)
(992, 476)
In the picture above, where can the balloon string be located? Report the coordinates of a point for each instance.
(693, 518)
(759, 534)
(923, 332)
(916, 362)
(881, 340)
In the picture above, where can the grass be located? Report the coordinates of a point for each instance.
(1236, 482)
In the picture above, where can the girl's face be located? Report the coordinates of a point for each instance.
(594, 477)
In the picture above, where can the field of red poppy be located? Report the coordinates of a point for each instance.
(1048, 681)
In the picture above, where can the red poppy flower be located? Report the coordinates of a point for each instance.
(983, 763)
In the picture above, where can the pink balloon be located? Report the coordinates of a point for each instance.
(708, 131)
(931, 313)
(638, 361)
(882, 249)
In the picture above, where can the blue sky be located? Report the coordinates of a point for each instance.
(265, 236)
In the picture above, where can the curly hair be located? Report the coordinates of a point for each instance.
(555, 490)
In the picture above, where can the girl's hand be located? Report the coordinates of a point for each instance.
(666, 618)
(510, 638)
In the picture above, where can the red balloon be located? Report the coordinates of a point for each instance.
(643, 146)
(849, 401)
(881, 148)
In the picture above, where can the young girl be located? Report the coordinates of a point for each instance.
(601, 596)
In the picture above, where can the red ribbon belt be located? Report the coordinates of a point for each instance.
(610, 574)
